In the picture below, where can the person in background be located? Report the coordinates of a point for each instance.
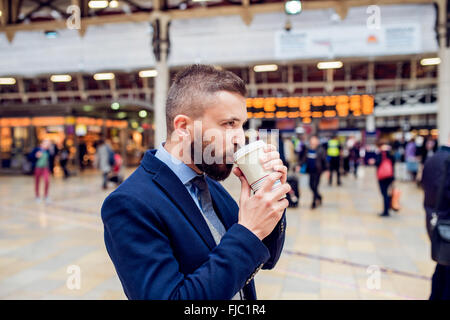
(52, 151)
(434, 175)
(300, 148)
(82, 151)
(316, 162)
(346, 155)
(428, 150)
(384, 162)
(334, 156)
(411, 160)
(64, 159)
(103, 160)
(354, 157)
(116, 172)
(40, 157)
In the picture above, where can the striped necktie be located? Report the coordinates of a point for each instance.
(206, 204)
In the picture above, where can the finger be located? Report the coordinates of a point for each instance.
(280, 191)
(283, 169)
(237, 172)
(281, 205)
(245, 187)
(272, 155)
(271, 164)
(268, 183)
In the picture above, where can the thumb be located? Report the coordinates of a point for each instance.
(245, 187)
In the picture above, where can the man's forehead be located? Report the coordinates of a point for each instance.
(228, 105)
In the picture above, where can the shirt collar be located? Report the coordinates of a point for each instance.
(181, 170)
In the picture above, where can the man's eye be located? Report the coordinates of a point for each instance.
(230, 123)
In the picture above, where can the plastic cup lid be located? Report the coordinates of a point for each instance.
(248, 148)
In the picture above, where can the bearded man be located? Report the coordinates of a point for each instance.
(171, 229)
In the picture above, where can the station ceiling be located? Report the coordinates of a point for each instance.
(20, 15)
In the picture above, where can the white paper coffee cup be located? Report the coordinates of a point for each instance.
(247, 159)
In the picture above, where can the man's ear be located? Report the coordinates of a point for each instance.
(181, 124)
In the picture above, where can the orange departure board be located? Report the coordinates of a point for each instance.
(310, 106)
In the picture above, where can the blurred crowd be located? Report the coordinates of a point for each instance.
(43, 159)
(337, 155)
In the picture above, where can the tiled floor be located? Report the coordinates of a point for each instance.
(342, 250)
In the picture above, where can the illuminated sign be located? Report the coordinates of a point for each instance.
(310, 107)
(57, 123)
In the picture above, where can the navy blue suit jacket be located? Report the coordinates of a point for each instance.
(162, 248)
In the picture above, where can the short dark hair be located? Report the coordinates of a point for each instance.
(194, 86)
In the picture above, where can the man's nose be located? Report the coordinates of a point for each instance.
(239, 137)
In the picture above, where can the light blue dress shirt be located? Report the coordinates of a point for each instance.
(181, 170)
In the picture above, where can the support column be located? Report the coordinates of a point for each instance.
(161, 50)
(370, 123)
(443, 116)
(290, 76)
(104, 130)
(370, 89)
(253, 123)
(413, 75)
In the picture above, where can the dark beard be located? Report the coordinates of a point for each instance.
(216, 171)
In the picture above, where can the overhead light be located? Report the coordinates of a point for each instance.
(293, 7)
(60, 78)
(142, 113)
(51, 34)
(148, 73)
(104, 76)
(7, 81)
(330, 65)
(97, 4)
(430, 61)
(115, 106)
(113, 4)
(265, 68)
(121, 115)
(1, 13)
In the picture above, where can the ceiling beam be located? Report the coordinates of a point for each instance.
(246, 15)
(84, 7)
(14, 8)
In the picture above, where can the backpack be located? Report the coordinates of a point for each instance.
(385, 170)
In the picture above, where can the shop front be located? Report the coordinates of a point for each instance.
(80, 135)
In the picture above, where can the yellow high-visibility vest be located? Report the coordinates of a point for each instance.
(333, 148)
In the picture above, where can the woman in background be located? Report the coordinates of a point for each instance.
(384, 162)
(40, 158)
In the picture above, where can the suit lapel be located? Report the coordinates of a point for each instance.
(175, 189)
